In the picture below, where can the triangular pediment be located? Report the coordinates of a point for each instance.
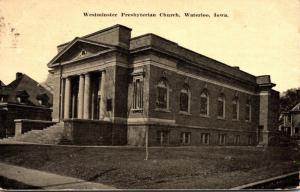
(77, 49)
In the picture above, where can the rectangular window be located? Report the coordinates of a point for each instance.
(205, 137)
(184, 102)
(137, 94)
(161, 97)
(162, 137)
(222, 139)
(236, 139)
(185, 138)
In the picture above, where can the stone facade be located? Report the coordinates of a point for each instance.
(158, 91)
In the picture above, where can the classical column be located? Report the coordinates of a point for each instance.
(67, 98)
(87, 91)
(80, 96)
(102, 98)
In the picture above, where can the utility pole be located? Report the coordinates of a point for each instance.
(146, 143)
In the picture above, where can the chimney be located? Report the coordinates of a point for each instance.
(19, 75)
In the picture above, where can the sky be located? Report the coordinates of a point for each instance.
(262, 37)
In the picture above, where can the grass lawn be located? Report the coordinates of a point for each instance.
(176, 167)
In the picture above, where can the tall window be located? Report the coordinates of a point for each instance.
(185, 138)
(221, 106)
(185, 99)
(162, 100)
(204, 104)
(235, 108)
(248, 110)
(138, 94)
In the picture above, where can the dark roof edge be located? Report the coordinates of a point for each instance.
(100, 31)
(181, 47)
(152, 34)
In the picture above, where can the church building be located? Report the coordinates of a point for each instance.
(112, 89)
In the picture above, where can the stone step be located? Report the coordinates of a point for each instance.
(49, 135)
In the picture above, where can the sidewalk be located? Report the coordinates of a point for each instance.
(46, 180)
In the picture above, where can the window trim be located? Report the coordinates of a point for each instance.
(188, 92)
(161, 133)
(222, 137)
(163, 83)
(135, 106)
(203, 136)
(183, 137)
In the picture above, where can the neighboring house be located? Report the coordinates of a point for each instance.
(290, 121)
(23, 98)
(112, 88)
(1, 84)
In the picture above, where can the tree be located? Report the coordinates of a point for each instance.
(289, 99)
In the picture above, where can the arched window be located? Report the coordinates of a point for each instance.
(204, 104)
(162, 99)
(185, 95)
(235, 108)
(221, 106)
(248, 110)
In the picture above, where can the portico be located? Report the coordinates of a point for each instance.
(83, 96)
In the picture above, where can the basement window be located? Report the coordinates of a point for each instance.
(162, 137)
(236, 139)
(222, 139)
(205, 138)
(185, 138)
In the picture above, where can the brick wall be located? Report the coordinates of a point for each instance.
(176, 83)
(91, 132)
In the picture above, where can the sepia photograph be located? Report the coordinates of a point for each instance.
(149, 95)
